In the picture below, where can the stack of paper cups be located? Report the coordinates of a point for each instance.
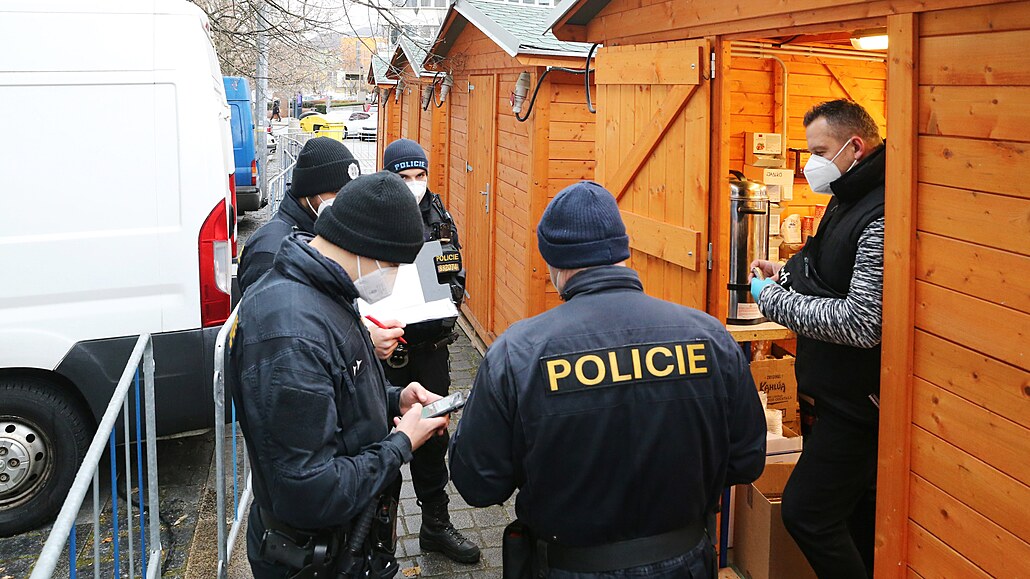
(774, 421)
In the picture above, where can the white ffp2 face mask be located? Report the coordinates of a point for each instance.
(418, 189)
(376, 285)
(325, 205)
(820, 171)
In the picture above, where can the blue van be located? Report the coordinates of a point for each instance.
(249, 196)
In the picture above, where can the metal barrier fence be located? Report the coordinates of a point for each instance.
(240, 499)
(63, 531)
(288, 143)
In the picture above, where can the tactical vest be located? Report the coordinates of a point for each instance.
(439, 225)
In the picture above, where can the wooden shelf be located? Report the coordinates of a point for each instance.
(763, 331)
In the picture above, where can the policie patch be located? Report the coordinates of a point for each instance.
(625, 365)
(447, 264)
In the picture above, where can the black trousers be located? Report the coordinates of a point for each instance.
(430, 368)
(829, 503)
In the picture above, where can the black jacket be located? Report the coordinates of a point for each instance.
(262, 246)
(314, 405)
(647, 449)
(840, 378)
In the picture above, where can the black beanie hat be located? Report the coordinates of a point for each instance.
(323, 165)
(404, 154)
(374, 216)
(582, 227)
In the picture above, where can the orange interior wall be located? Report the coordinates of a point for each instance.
(756, 94)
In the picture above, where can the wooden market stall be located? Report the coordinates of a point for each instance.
(679, 84)
(502, 172)
(389, 120)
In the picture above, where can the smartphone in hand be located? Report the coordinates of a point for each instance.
(443, 406)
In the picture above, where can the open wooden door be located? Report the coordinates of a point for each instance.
(653, 148)
(480, 187)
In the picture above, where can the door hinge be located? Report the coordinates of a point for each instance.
(712, 73)
(468, 168)
(472, 87)
(709, 256)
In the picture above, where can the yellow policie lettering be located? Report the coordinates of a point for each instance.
(628, 364)
(616, 377)
(679, 358)
(649, 359)
(695, 353)
(600, 370)
(554, 376)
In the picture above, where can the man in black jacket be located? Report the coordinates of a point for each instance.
(426, 359)
(324, 165)
(619, 417)
(830, 293)
(315, 408)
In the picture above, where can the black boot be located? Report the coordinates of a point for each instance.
(438, 534)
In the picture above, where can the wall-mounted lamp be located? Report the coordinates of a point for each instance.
(445, 88)
(518, 96)
(397, 90)
(875, 39)
(427, 96)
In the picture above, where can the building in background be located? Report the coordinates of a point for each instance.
(356, 55)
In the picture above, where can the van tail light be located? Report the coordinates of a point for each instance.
(215, 267)
(232, 213)
(253, 173)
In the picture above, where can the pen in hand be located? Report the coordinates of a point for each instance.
(380, 324)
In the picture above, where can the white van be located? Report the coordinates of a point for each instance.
(115, 219)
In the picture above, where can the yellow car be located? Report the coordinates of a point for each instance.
(332, 124)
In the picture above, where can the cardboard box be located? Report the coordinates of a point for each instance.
(785, 448)
(778, 181)
(762, 548)
(764, 148)
(776, 378)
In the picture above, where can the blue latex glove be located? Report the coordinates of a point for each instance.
(757, 285)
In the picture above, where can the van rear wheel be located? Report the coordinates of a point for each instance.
(44, 435)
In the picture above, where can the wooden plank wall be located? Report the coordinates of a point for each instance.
(970, 434)
(425, 123)
(570, 157)
(635, 21)
(756, 94)
(477, 54)
(440, 151)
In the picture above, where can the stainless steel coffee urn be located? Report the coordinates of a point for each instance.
(749, 240)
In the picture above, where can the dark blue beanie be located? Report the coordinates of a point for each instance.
(404, 154)
(582, 227)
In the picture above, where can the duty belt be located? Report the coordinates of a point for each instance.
(625, 554)
(310, 553)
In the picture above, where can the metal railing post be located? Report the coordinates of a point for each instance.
(219, 396)
(154, 568)
(88, 474)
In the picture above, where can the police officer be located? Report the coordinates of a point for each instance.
(324, 165)
(426, 359)
(315, 407)
(619, 417)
